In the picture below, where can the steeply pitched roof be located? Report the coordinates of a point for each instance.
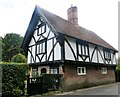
(63, 26)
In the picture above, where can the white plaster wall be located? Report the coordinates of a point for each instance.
(33, 52)
(73, 44)
(94, 59)
(79, 58)
(99, 55)
(91, 49)
(87, 60)
(57, 52)
(68, 53)
(28, 57)
(44, 58)
(47, 31)
(49, 48)
(79, 48)
(51, 35)
(113, 57)
(32, 42)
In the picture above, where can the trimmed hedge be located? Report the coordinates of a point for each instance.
(13, 78)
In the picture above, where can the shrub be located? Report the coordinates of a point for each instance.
(13, 77)
(50, 82)
(19, 58)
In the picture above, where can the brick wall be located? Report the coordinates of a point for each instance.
(71, 80)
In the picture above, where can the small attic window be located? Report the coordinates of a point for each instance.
(41, 29)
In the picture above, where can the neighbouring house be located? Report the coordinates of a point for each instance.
(57, 46)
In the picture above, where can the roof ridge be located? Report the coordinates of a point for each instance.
(68, 28)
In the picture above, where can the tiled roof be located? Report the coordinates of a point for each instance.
(64, 26)
(68, 28)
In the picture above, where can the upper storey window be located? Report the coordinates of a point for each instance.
(107, 54)
(41, 46)
(41, 28)
(83, 49)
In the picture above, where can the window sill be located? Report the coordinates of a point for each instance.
(82, 74)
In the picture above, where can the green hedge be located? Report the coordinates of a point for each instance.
(19, 58)
(13, 78)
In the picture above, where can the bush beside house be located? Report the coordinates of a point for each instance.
(13, 78)
(19, 58)
(118, 70)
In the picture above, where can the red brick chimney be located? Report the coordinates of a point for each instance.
(72, 15)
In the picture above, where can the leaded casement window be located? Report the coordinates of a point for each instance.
(34, 72)
(104, 70)
(41, 47)
(41, 27)
(83, 49)
(81, 70)
(54, 70)
(107, 55)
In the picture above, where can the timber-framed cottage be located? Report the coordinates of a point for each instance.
(57, 46)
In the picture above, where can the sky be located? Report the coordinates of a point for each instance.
(99, 16)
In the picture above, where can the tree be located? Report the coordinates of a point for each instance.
(19, 58)
(1, 44)
(11, 47)
(118, 64)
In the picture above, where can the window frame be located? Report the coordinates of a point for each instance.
(83, 50)
(41, 47)
(104, 70)
(107, 54)
(34, 72)
(41, 28)
(55, 70)
(80, 70)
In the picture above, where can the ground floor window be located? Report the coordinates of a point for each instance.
(104, 70)
(81, 70)
(34, 72)
(53, 70)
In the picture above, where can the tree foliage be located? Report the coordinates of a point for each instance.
(11, 47)
(118, 64)
(1, 44)
(19, 58)
(13, 79)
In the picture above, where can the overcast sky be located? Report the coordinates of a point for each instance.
(99, 16)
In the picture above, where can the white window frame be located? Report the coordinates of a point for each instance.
(53, 71)
(80, 70)
(104, 70)
(107, 55)
(41, 47)
(34, 72)
(83, 49)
